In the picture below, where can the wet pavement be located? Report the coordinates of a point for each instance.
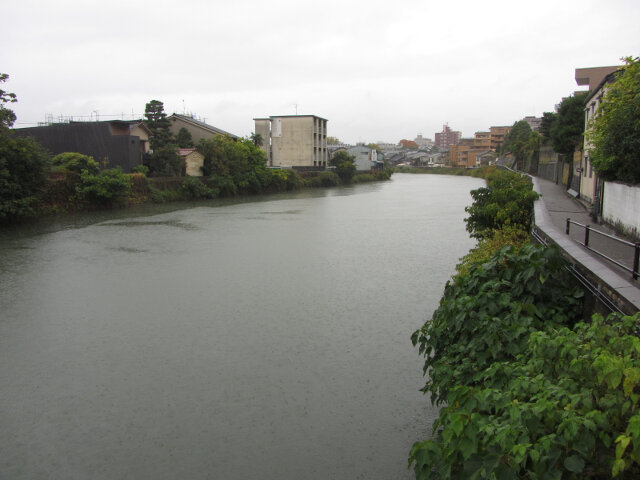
(551, 213)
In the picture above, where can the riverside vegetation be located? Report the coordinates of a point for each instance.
(32, 183)
(528, 388)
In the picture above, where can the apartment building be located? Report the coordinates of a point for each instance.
(497, 135)
(482, 140)
(447, 137)
(298, 141)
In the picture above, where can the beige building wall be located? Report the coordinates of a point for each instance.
(294, 141)
(194, 162)
(263, 128)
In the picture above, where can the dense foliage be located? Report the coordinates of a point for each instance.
(522, 142)
(565, 407)
(344, 165)
(507, 200)
(107, 188)
(184, 138)
(76, 162)
(615, 132)
(566, 130)
(157, 121)
(528, 390)
(24, 166)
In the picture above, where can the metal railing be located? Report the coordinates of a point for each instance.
(587, 233)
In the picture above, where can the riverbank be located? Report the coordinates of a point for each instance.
(71, 192)
(529, 387)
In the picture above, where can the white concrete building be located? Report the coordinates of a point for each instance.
(298, 141)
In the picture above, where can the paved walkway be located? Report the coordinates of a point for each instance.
(551, 213)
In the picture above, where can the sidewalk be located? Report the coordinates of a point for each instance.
(551, 213)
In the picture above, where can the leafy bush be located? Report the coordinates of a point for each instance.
(76, 162)
(106, 189)
(567, 407)
(193, 189)
(508, 200)
(487, 247)
(143, 169)
(325, 179)
(363, 178)
(487, 315)
(24, 167)
(474, 347)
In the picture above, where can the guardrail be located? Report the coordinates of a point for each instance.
(587, 233)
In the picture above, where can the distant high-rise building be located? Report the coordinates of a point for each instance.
(423, 142)
(447, 137)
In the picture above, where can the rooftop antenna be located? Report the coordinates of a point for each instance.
(296, 105)
(183, 108)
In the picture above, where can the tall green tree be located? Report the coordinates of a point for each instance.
(522, 142)
(158, 123)
(545, 125)
(333, 141)
(615, 132)
(568, 126)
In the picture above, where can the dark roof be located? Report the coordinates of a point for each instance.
(206, 126)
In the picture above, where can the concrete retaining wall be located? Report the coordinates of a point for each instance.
(621, 207)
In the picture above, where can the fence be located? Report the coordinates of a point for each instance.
(608, 246)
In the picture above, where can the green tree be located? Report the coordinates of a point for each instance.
(165, 161)
(7, 117)
(568, 126)
(239, 161)
(506, 201)
(345, 166)
(76, 162)
(24, 166)
(158, 123)
(615, 132)
(545, 125)
(520, 141)
(374, 146)
(184, 138)
(257, 139)
(333, 141)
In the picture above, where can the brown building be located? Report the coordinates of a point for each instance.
(497, 135)
(482, 140)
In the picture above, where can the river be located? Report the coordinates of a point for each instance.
(265, 338)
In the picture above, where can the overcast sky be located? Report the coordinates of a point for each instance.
(377, 70)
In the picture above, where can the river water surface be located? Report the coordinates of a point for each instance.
(265, 339)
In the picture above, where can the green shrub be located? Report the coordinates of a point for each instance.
(487, 247)
(108, 188)
(76, 162)
(194, 189)
(143, 169)
(503, 416)
(363, 178)
(566, 407)
(224, 184)
(506, 201)
(325, 179)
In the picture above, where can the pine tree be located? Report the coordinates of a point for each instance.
(158, 123)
